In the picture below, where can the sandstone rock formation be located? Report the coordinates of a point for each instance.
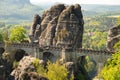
(5, 65)
(32, 76)
(25, 70)
(36, 23)
(70, 67)
(2, 70)
(59, 26)
(113, 37)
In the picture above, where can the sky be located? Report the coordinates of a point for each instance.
(107, 2)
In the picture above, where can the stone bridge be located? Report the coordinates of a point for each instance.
(54, 53)
(30, 49)
(57, 53)
(63, 54)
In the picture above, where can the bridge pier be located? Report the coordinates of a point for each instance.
(37, 53)
(40, 55)
(67, 55)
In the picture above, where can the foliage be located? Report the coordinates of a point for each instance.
(90, 66)
(117, 46)
(80, 77)
(118, 20)
(95, 31)
(17, 34)
(93, 23)
(95, 40)
(39, 68)
(56, 71)
(111, 71)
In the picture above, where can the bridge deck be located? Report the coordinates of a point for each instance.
(70, 49)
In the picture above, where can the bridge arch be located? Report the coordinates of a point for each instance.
(90, 65)
(19, 54)
(48, 56)
(81, 60)
(2, 50)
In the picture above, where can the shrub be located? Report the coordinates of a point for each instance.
(111, 71)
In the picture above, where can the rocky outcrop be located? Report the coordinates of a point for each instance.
(113, 37)
(32, 76)
(37, 21)
(5, 65)
(2, 70)
(70, 67)
(25, 70)
(59, 26)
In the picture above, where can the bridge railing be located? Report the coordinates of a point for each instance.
(69, 49)
(94, 51)
(19, 44)
(79, 50)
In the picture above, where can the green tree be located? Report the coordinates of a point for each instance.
(96, 40)
(111, 71)
(17, 34)
(56, 71)
(39, 68)
(118, 20)
(53, 71)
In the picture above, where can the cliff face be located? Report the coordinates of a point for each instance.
(59, 26)
(113, 37)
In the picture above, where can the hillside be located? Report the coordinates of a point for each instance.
(95, 9)
(15, 11)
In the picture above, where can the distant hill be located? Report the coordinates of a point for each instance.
(95, 9)
(17, 11)
(16, 1)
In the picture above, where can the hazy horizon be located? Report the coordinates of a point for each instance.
(51, 2)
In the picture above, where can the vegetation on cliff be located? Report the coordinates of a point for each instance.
(53, 71)
(111, 71)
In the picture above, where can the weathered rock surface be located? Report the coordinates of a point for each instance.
(70, 67)
(32, 76)
(113, 37)
(25, 65)
(59, 26)
(37, 20)
(5, 65)
(2, 70)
